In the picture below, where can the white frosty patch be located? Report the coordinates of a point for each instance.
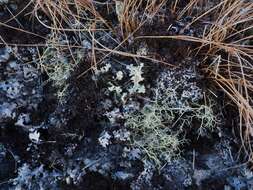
(104, 139)
(122, 135)
(122, 175)
(119, 75)
(114, 88)
(7, 110)
(103, 69)
(34, 136)
(22, 120)
(12, 88)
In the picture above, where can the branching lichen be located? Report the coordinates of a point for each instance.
(159, 128)
(59, 63)
(152, 132)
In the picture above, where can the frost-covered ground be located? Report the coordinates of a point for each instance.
(127, 123)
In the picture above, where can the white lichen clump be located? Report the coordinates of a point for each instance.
(152, 132)
(104, 139)
(179, 87)
(34, 136)
(136, 78)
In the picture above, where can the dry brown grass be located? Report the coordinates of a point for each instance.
(68, 15)
(228, 37)
(82, 18)
(134, 13)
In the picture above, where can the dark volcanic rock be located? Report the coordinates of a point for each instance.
(7, 164)
(20, 90)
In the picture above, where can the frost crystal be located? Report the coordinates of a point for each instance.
(104, 139)
(103, 69)
(114, 88)
(119, 75)
(22, 120)
(34, 136)
(122, 135)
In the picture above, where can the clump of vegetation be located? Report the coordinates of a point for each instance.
(128, 13)
(207, 118)
(67, 15)
(58, 62)
(159, 125)
(152, 132)
(56, 67)
(158, 129)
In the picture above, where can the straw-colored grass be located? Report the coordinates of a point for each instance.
(134, 13)
(67, 15)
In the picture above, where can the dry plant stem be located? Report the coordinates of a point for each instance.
(21, 30)
(60, 11)
(244, 108)
(175, 6)
(126, 54)
(227, 47)
(141, 24)
(131, 18)
(17, 14)
(94, 61)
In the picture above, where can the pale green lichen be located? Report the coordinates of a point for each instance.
(152, 132)
(159, 125)
(58, 64)
(158, 129)
(206, 116)
(136, 73)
